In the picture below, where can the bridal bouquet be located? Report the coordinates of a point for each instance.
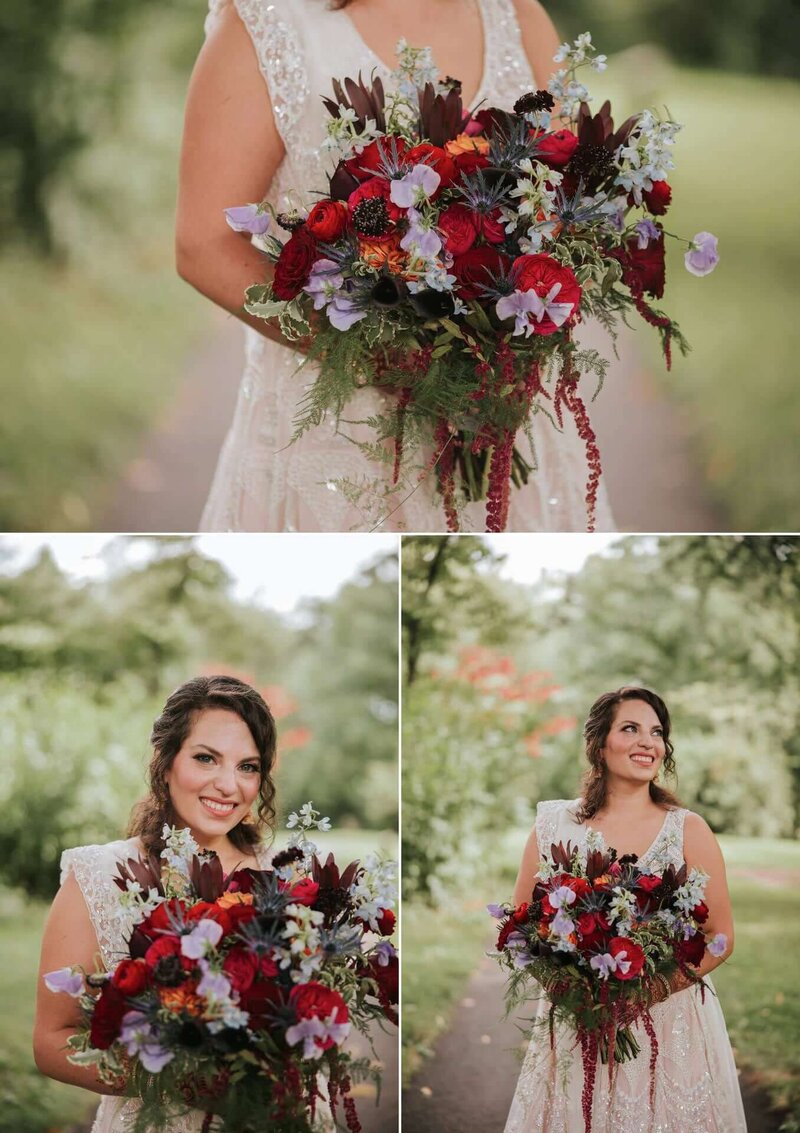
(604, 938)
(451, 258)
(236, 992)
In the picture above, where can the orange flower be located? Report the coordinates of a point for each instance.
(380, 253)
(229, 899)
(467, 143)
(179, 999)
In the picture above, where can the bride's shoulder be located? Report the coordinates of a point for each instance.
(98, 858)
(555, 806)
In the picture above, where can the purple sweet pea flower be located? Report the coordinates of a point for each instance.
(196, 943)
(562, 896)
(415, 187)
(562, 925)
(420, 241)
(66, 980)
(718, 944)
(496, 911)
(702, 257)
(248, 218)
(214, 985)
(308, 1031)
(343, 312)
(647, 231)
(325, 278)
(140, 1038)
(385, 951)
(604, 965)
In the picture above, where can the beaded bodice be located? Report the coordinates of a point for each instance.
(555, 822)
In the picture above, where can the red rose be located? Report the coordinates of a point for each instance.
(476, 268)
(304, 892)
(643, 269)
(239, 915)
(556, 149)
(468, 162)
(517, 918)
(294, 265)
(700, 912)
(366, 164)
(131, 977)
(460, 227)
(327, 220)
(627, 952)
(592, 928)
(314, 1000)
(386, 922)
(158, 921)
(387, 977)
(260, 999)
(492, 227)
(109, 1009)
(691, 951)
(240, 966)
(658, 198)
(540, 273)
(648, 882)
(438, 159)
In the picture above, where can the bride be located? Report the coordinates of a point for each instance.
(213, 753)
(627, 744)
(254, 128)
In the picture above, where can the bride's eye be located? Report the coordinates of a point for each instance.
(203, 756)
(250, 767)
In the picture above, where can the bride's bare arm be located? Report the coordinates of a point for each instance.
(230, 153)
(701, 850)
(529, 867)
(69, 938)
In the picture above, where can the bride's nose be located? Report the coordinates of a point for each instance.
(225, 781)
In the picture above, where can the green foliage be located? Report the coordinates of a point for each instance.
(85, 669)
(755, 36)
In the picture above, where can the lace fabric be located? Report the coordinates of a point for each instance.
(696, 1082)
(263, 481)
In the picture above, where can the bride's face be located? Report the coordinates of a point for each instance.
(214, 778)
(634, 748)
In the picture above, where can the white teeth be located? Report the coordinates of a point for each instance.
(645, 760)
(221, 808)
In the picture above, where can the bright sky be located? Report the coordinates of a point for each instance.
(529, 556)
(276, 570)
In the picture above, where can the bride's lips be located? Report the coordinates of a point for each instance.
(218, 807)
(643, 759)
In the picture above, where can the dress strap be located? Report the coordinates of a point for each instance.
(547, 816)
(93, 867)
(279, 49)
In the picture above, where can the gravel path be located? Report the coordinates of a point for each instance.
(468, 1083)
(653, 478)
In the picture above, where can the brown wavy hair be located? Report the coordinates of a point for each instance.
(594, 788)
(169, 733)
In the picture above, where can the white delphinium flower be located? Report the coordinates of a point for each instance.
(595, 841)
(692, 891)
(301, 822)
(375, 889)
(302, 934)
(133, 906)
(344, 139)
(622, 907)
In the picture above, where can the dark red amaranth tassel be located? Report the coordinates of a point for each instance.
(402, 405)
(445, 465)
(661, 321)
(350, 1111)
(588, 1041)
(567, 392)
(499, 491)
(206, 1126)
(483, 370)
(551, 1022)
(647, 1020)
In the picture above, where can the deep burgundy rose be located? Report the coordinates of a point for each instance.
(107, 1016)
(366, 164)
(643, 269)
(633, 954)
(131, 977)
(540, 273)
(490, 118)
(386, 922)
(387, 977)
(439, 159)
(240, 966)
(304, 892)
(459, 226)
(700, 912)
(295, 263)
(592, 929)
(315, 1001)
(556, 149)
(476, 269)
(241, 881)
(691, 951)
(260, 1000)
(492, 228)
(658, 198)
(327, 220)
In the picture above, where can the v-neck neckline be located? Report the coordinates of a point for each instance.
(387, 70)
(586, 827)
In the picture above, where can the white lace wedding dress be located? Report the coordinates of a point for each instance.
(94, 868)
(696, 1087)
(264, 483)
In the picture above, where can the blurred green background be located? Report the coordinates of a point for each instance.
(499, 676)
(96, 325)
(85, 667)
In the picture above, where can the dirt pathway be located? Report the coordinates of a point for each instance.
(468, 1083)
(653, 478)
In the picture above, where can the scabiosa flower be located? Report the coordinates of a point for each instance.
(533, 101)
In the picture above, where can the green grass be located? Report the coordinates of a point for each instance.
(759, 987)
(94, 347)
(734, 177)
